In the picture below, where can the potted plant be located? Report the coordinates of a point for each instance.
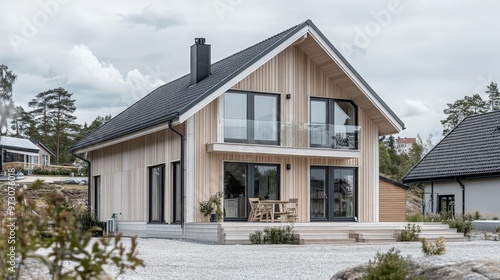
(212, 207)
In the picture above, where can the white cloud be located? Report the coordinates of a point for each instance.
(414, 108)
(155, 16)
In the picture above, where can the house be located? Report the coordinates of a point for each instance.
(288, 117)
(403, 145)
(462, 173)
(17, 152)
(392, 200)
(44, 155)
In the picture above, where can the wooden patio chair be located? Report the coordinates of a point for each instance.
(255, 213)
(291, 209)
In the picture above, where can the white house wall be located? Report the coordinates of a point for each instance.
(481, 195)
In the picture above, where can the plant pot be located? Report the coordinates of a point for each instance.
(214, 218)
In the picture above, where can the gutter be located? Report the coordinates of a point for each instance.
(463, 195)
(88, 174)
(183, 139)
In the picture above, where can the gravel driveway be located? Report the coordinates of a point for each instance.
(174, 259)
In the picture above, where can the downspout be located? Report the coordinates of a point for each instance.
(463, 195)
(88, 180)
(182, 172)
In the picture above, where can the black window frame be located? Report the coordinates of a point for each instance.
(97, 194)
(250, 187)
(330, 117)
(329, 175)
(175, 180)
(251, 118)
(161, 191)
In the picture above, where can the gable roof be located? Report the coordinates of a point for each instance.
(178, 100)
(471, 149)
(18, 144)
(45, 148)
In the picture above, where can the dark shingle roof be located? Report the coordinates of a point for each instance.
(173, 99)
(471, 149)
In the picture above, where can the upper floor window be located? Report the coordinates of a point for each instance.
(333, 123)
(251, 117)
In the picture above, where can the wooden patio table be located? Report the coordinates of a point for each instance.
(280, 205)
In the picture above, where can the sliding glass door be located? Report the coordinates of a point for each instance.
(244, 180)
(333, 193)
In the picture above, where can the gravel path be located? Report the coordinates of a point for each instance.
(174, 259)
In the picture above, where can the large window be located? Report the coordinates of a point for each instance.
(244, 180)
(251, 118)
(156, 194)
(333, 193)
(333, 124)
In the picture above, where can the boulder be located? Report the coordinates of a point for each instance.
(451, 271)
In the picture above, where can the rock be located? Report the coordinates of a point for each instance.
(477, 270)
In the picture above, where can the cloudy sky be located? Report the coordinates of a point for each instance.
(417, 55)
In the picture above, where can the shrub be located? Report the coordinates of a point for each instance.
(87, 220)
(495, 218)
(461, 224)
(56, 230)
(430, 248)
(275, 235)
(390, 265)
(410, 233)
(37, 184)
(498, 229)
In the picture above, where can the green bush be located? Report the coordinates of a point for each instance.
(410, 233)
(461, 224)
(390, 265)
(498, 229)
(430, 248)
(275, 235)
(55, 228)
(88, 220)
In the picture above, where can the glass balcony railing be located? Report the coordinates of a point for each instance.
(288, 134)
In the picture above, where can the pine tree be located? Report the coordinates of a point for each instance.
(7, 79)
(61, 113)
(41, 105)
(493, 97)
(461, 108)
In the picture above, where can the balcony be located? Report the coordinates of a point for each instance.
(299, 139)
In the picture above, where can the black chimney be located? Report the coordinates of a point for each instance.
(200, 60)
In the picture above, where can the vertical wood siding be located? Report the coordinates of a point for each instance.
(290, 72)
(124, 174)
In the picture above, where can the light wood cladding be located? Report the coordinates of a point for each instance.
(392, 202)
(124, 174)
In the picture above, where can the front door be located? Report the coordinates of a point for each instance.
(446, 204)
(333, 194)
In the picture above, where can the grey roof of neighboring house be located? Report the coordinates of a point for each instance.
(472, 149)
(18, 144)
(173, 99)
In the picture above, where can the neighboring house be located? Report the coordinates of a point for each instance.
(17, 152)
(44, 154)
(462, 172)
(403, 145)
(285, 118)
(392, 200)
